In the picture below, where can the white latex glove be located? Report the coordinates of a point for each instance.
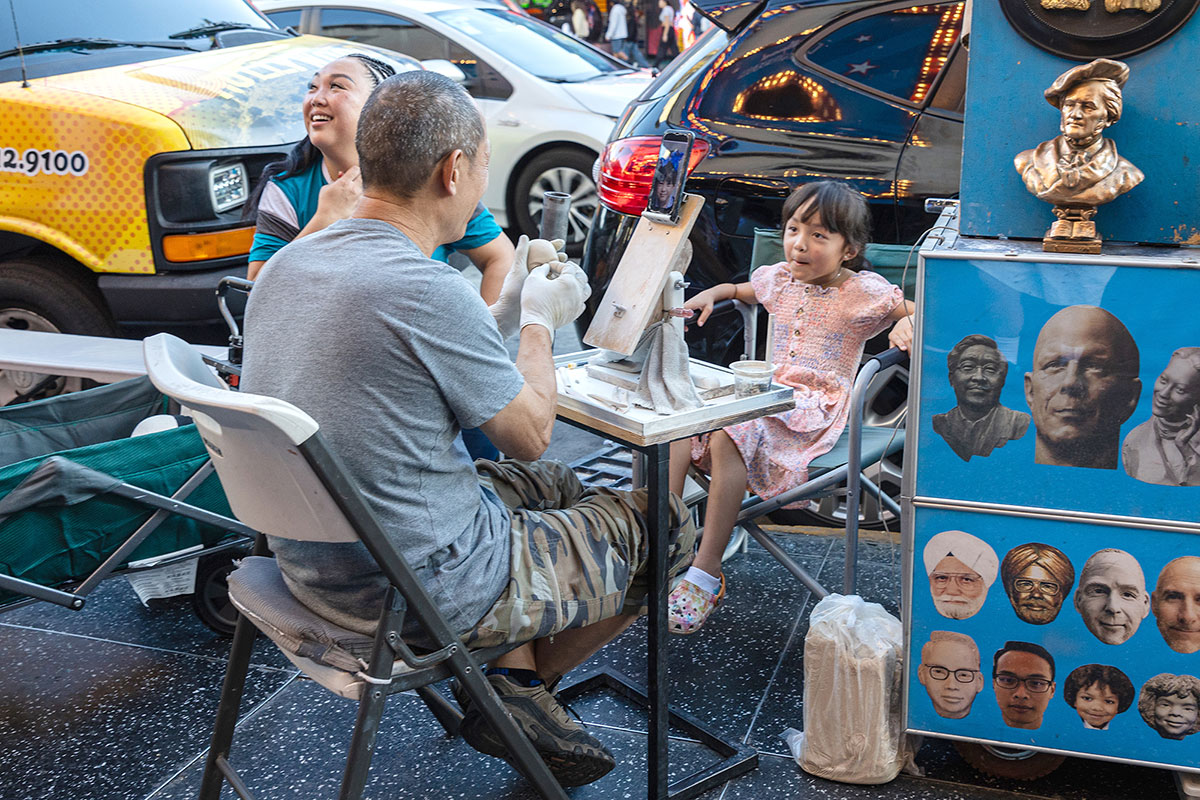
(554, 303)
(507, 308)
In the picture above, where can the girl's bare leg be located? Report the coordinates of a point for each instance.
(725, 493)
(681, 459)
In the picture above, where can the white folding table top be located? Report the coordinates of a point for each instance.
(102, 359)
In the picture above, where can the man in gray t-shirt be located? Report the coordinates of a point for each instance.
(393, 354)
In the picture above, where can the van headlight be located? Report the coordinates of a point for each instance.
(227, 186)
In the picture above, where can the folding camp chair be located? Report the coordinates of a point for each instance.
(282, 479)
(81, 500)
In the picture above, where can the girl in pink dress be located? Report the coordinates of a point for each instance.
(825, 311)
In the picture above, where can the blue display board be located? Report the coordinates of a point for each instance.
(1053, 596)
(1011, 303)
(1006, 113)
(1142, 657)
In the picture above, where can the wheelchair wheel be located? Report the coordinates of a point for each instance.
(211, 599)
(1007, 762)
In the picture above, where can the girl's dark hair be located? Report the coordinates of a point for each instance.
(842, 208)
(1112, 678)
(305, 154)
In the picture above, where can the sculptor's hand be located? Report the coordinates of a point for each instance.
(507, 308)
(338, 199)
(553, 303)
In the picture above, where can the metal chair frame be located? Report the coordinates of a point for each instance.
(222, 417)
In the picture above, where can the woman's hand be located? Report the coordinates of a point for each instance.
(901, 335)
(338, 199)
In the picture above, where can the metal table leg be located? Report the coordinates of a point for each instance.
(658, 504)
(736, 758)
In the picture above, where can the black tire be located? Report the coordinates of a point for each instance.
(211, 599)
(560, 169)
(1004, 762)
(47, 293)
(887, 402)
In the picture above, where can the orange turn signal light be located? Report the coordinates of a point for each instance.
(205, 246)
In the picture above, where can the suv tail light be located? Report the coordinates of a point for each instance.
(627, 170)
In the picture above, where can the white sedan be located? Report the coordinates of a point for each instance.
(550, 100)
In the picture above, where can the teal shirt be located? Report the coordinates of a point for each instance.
(283, 214)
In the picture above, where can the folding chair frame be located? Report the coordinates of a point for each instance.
(164, 506)
(451, 658)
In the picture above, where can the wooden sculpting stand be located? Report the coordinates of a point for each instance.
(633, 299)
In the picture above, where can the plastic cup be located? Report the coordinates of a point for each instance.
(751, 377)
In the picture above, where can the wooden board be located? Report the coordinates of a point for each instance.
(638, 282)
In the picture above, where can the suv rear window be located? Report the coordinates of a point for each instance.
(898, 52)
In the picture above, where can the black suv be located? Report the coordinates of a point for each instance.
(779, 94)
(863, 91)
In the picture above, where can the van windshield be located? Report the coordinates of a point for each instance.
(139, 22)
(533, 46)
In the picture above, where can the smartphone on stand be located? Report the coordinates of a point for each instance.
(666, 191)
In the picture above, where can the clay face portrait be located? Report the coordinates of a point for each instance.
(950, 673)
(1098, 693)
(1112, 596)
(961, 569)
(1171, 705)
(1080, 169)
(1082, 388)
(1176, 604)
(1165, 448)
(1037, 577)
(978, 423)
(1023, 680)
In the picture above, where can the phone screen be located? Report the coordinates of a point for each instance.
(669, 176)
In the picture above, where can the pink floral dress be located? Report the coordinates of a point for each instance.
(819, 338)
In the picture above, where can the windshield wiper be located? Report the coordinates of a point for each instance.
(89, 44)
(209, 28)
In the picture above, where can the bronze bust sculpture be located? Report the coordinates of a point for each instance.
(1080, 169)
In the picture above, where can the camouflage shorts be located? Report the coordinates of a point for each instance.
(579, 555)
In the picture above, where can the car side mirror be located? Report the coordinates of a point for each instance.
(448, 68)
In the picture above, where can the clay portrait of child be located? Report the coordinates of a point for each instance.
(961, 569)
(1171, 705)
(1037, 577)
(1098, 693)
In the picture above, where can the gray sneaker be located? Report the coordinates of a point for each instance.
(573, 756)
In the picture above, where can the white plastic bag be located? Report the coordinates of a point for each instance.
(853, 663)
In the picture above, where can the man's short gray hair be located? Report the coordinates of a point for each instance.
(408, 125)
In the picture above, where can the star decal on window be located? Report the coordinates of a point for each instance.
(863, 68)
(863, 38)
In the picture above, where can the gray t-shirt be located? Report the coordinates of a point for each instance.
(392, 353)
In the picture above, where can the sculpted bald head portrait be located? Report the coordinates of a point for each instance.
(961, 569)
(1112, 596)
(1176, 604)
(1037, 577)
(1083, 386)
